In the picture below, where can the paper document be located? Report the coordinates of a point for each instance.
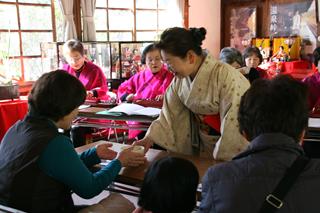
(314, 122)
(132, 109)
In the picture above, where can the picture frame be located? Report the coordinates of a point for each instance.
(243, 26)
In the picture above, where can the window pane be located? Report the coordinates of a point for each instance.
(35, 18)
(146, 36)
(101, 3)
(120, 36)
(14, 68)
(121, 4)
(36, 1)
(49, 56)
(10, 0)
(120, 20)
(167, 20)
(147, 4)
(102, 36)
(31, 42)
(59, 21)
(163, 4)
(100, 19)
(32, 68)
(146, 20)
(8, 17)
(9, 44)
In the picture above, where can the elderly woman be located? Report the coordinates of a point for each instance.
(233, 57)
(39, 167)
(203, 93)
(150, 83)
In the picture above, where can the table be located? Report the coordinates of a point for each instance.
(10, 112)
(88, 117)
(135, 175)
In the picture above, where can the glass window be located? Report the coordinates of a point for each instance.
(146, 20)
(120, 20)
(102, 36)
(59, 21)
(168, 19)
(100, 19)
(9, 44)
(120, 36)
(163, 4)
(147, 36)
(32, 68)
(101, 3)
(146, 4)
(14, 68)
(121, 4)
(8, 17)
(31, 42)
(36, 1)
(35, 17)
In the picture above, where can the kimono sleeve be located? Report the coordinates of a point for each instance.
(231, 141)
(127, 87)
(172, 130)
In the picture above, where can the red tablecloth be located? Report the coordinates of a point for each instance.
(296, 66)
(10, 112)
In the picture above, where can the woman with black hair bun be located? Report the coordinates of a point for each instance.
(199, 113)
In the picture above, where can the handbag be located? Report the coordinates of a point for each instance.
(274, 201)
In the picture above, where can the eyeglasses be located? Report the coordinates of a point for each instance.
(73, 59)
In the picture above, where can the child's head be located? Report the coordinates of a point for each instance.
(73, 51)
(252, 57)
(169, 185)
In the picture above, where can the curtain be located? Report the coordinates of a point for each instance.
(89, 29)
(175, 13)
(69, 26)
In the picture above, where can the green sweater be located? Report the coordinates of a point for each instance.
(60, 161)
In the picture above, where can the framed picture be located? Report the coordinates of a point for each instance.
(243, 24)
(292, 19)
(318, 10)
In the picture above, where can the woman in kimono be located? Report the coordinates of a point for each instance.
(90, 75)
(204, 92)
(148, 84)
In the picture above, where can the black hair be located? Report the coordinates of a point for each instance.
(316, 56)
(146, 50)
(169, 186)
(56, 94)
(178, 41)
(274, 106)
(249, 51)
(230, 55)
(74, 45)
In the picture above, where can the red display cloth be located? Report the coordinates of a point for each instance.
(296, 66)
(10, 112)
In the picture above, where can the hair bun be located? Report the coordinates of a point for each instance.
(199, 34)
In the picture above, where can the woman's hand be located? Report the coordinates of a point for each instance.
(129, 158)
(130, 97)
(104, 152)
(159, 98)
(145, 142)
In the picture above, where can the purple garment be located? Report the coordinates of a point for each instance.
(313, 83)
(146, 85)
(91, 77)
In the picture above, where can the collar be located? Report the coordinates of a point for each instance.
(277, 141)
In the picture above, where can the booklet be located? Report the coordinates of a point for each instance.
(131, 109)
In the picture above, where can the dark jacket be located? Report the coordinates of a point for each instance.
(22, 184)
(242, 184)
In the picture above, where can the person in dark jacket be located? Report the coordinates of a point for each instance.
(273, 116)
(39, 167)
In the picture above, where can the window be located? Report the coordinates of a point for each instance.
(24, 24)
(134, 20)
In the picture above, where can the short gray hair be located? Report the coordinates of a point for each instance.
(230, 55)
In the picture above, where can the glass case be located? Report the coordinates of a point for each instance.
(118, 60)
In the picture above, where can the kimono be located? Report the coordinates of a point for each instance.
(145, 85)
(91, 77)
(215, 90)
(313, 83)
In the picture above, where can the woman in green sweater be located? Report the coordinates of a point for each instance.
(39, 168)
